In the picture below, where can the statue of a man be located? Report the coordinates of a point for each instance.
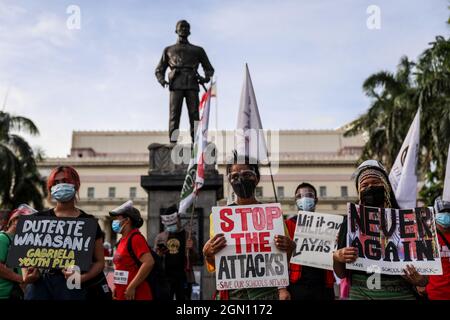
(183, 59)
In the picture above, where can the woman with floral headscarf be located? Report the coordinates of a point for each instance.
(374, 190)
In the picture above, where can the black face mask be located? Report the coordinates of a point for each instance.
(373, 197)
(244, 188)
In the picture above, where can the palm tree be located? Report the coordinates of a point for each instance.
(433, 77)
(392, 109)
(395, 99)
(20, 181)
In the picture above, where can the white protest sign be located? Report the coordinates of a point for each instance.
(315, 236)
(250, 258)
(393, 238)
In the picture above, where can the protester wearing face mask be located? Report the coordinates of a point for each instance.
(132, 260)
(11, 281)
(374, 190)
(243, 176)
(179, 254)
(438, 287)
(63, 184)
(307, 283)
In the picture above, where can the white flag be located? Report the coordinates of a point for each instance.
(195, 176)
(403, 175)
(202, 136)
(446, 194)
(250, 138)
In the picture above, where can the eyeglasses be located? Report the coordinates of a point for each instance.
(244, 174)
(305, 195)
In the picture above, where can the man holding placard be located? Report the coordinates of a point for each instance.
(247, 248)
(310, 270)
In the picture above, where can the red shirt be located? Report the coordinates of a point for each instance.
(125, 269)
(438, 287)
(295, 270)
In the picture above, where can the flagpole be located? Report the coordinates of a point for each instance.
(216, 120)
(191, 222)
(271, 177)
(194, 181)
(273, 183)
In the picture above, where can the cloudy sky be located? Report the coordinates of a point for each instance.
(307, 59)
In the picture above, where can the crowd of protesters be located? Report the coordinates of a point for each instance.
(164, 271)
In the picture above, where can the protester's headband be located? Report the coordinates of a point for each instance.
(370, 173)
(169, 219)
(441, 205)
(366, 165)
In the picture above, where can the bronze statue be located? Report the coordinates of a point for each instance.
(183, 59)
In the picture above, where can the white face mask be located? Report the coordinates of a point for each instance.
(63, 192)
(306, 204)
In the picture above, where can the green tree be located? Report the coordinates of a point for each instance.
(395, 99)
(20, 181)
(433, 78)
(393, 106)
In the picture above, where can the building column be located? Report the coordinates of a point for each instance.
(104, 224)
(143, 230)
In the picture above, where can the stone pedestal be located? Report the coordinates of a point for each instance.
(163, 185)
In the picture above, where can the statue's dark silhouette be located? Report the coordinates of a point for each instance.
(183, 60)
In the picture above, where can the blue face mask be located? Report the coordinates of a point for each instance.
(443, 219)
(306, 204)
(116, 227)
(172, 228)
(63, 192)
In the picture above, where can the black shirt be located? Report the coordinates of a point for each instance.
(175, 256)
(312, 276)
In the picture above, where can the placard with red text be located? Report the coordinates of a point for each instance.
(250, 258)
